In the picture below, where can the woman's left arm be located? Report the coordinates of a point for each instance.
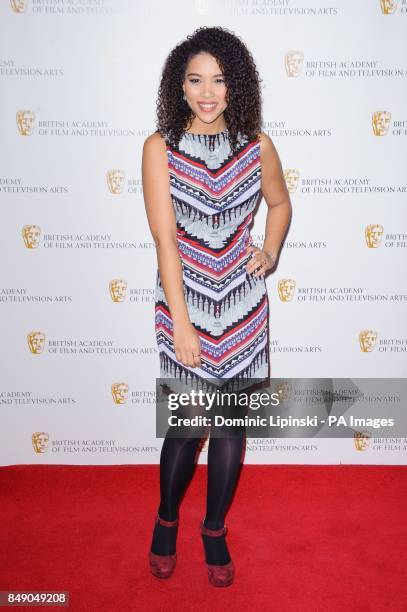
(275, 192)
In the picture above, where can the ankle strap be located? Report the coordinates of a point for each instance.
(166, 523)
(212, 532)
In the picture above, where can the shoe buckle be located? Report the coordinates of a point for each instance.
(166, 523)
(213, 532)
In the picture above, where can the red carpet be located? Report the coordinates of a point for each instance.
(303, 538)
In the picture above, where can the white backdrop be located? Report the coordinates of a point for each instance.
(79, 82)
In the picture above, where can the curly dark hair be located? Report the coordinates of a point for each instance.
(243, 112)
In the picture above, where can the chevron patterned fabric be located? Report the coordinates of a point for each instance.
(214, 195)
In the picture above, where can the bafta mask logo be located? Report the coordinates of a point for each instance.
(40, 441)
(291, 178)
(367, 340)
(294, 61)
(118, 289)
(286, 287)
(120, 392)
(31, 236)
(388, 6)
(373, 235)
(36, 342)
(25, 122)
(19, 6)
(115, 180)
(381, 122)
(361, 440)
(284, 390)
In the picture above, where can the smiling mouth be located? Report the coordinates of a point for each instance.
(207, 107)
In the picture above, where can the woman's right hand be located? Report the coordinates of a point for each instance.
(187, 344)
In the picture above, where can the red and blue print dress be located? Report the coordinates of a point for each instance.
(214, 195)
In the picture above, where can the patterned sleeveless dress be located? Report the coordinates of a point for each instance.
(214, 194)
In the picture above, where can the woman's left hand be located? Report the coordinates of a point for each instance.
(263, 260)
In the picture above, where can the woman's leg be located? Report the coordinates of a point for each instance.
(224, 460)
(176, 469)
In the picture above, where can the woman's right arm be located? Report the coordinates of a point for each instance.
(162, 222)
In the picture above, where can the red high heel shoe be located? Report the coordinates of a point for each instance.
(162, 566)
(219, 575)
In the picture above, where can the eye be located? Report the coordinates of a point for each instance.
(195, 80)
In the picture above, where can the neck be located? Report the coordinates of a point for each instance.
(204, 129)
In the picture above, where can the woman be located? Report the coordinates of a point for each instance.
(204, 170)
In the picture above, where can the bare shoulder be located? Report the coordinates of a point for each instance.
(154, 143)
(266, 143)
(268, 152)
(154, 157)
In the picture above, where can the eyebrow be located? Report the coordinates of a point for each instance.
(197, 74)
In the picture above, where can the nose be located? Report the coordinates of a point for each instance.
(207, 90)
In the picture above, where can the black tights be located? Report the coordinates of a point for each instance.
(177, 464)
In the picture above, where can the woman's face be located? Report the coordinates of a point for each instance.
(205, 90)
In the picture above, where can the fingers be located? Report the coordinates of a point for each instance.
(187, 345)
(195, 355)
(261, 271)
(189, 357)
(197, 361)
(257, 265)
